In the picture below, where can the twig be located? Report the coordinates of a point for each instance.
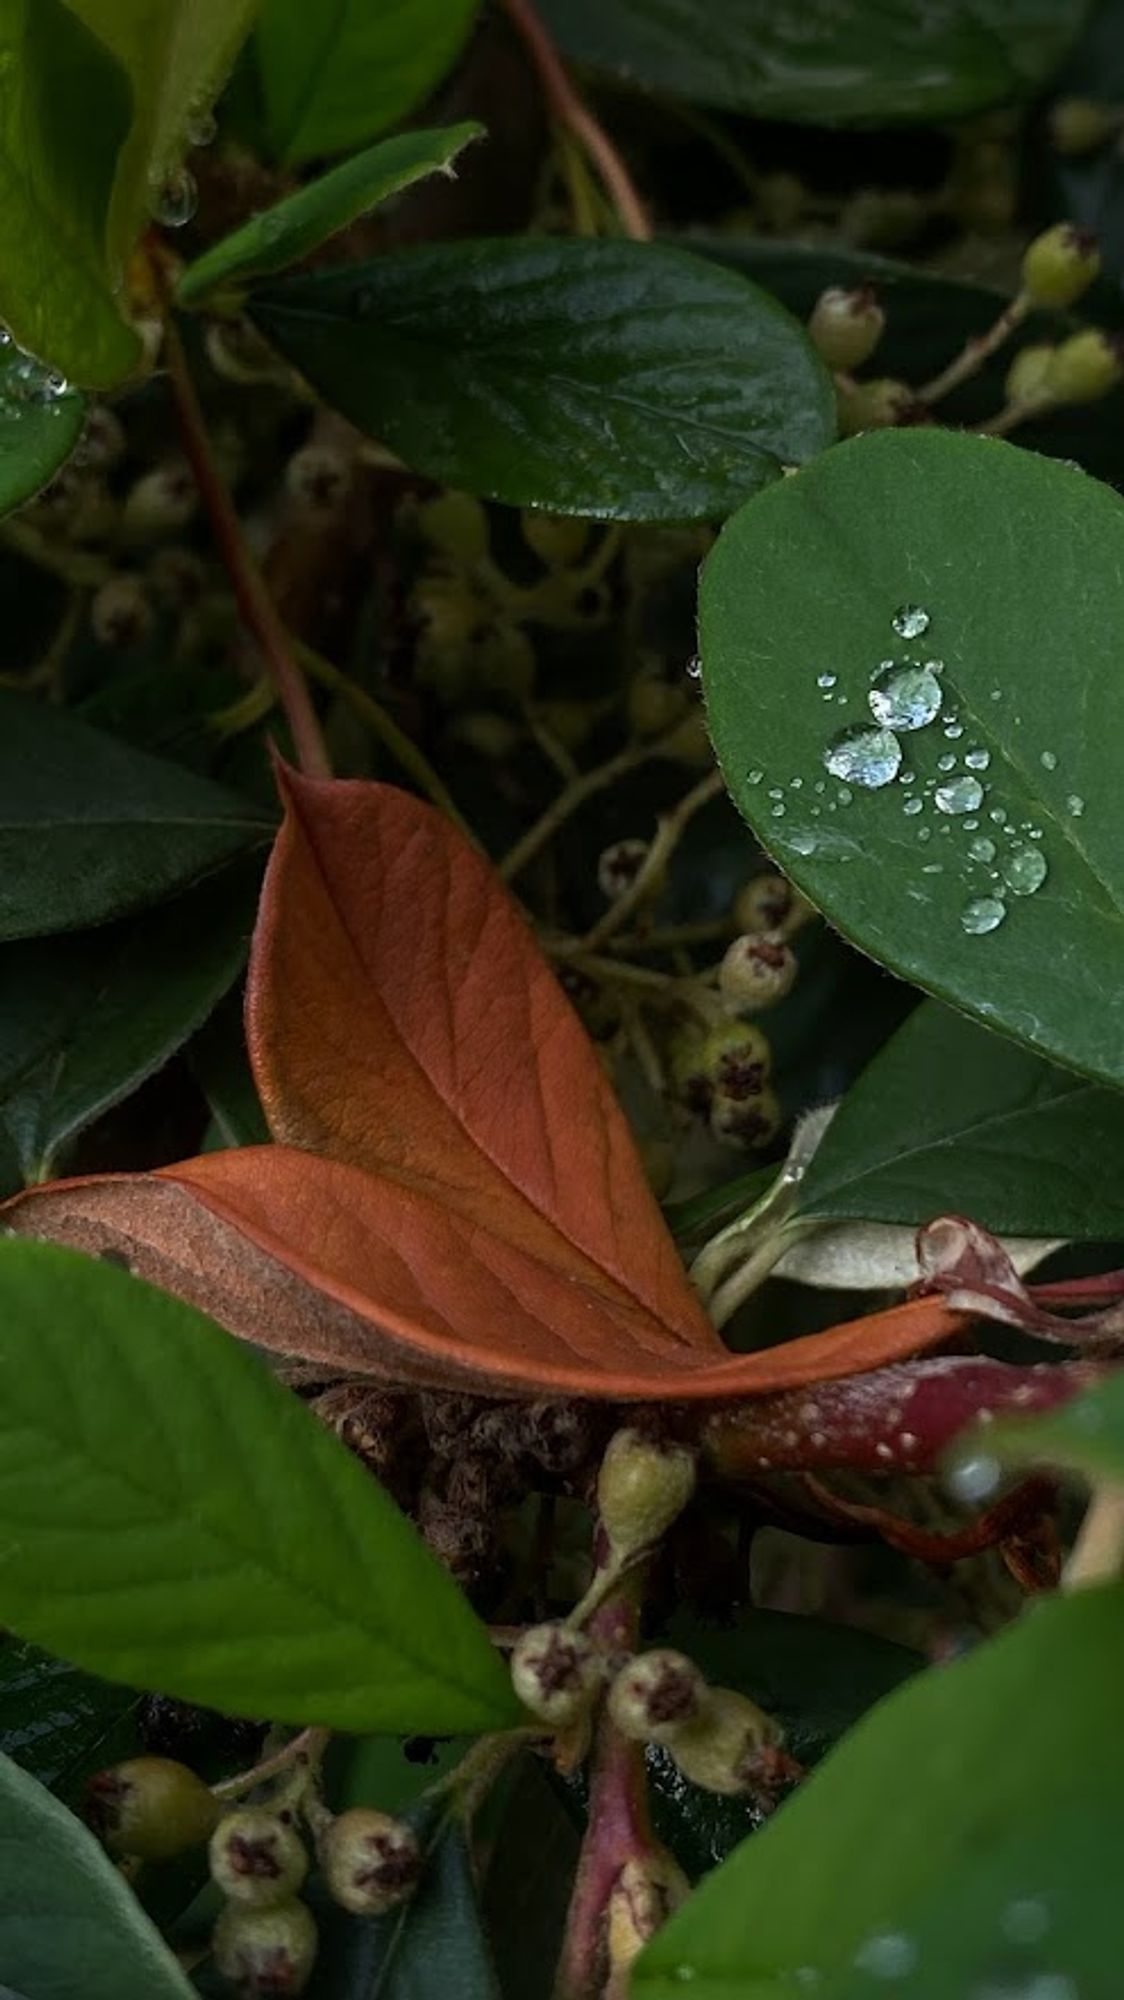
(307, 1749)
(975, 352)
(1098, 1552)
(574, 795)
(574, 115)
(1013, 414)
(668, 835)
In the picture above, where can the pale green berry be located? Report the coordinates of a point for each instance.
(1060, 264)
(656, 1695)
(1085, 367)
(556, 1673)
(257, 1858)
(266, 1954)
(846, 326)
(758, 970)
(370, 1861)
(152, 1807)
(642, 1488)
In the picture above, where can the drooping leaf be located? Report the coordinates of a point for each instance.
(54, 1719)
(124, 999)
(334, 76)
(174, 1519)
(38, 428)
(90, 829)
(454, 1195)
(828, 63)
(1085, 1436)
(282, 235)
(986, 865)
(69, 1922)
(960, 1892)
(622, 380)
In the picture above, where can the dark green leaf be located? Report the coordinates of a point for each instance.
(133, 994)
(284, 234)
(38, 428)
(936, 1852)
(1019, 564)
(55, 1720)
(1086, 1435)
(90, 829)
(833, 62)
(69, 1923)
(949, 1116)
(333, 76)
(175, 1519)
(623, 380)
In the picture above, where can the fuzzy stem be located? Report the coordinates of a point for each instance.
(574, 115)
(574, 795)
(307, 1749)
(975, 352)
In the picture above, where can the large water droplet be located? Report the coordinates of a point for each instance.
(910, 621)
(1024, 870)
(960, 795)
(978, 760)
(982, 914)
(982, 849)
(1049, 760)
(802, 840)
(888, 1955)
(905, 697)
(176, 199)
(864, 756)
(973, 1477)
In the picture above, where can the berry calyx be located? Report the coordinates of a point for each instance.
(872, 406)
(846, 326)
(266, 1954)
(556, 1673)
(642, 1488)
(370, 1861)
(152, 1807)
(733, 1060)
(746, 1123)
(1059, 265)
(759, 969)
(656, 1695)
(256, 1858)
(618, 865)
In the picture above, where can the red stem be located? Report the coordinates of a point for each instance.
(572, 112)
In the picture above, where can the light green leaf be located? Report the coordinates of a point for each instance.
(1085, 1435)
(336, 74)
(284, 234)
(831, 62)
(1018, 564)
(954, 1842)
(171, 1517)
(90, 828)
(69, 1923)
(622, 380)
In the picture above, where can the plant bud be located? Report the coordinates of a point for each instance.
(1026, 377)
(758, 970)
(1060, 264)
(872, 406)
(1080, 124)
(769, 902)
(456, 526)
(556, 1673)
(745, 1123)
(120, 614)
(160, 503)
(656, 1695)
(370, 1861)
(255, 1858)
(266, 1954)
(557, 539)
(654, 704)
(645, 1893)
(150, 1806)
(733, 1058)
(846, 326)
(318, 479)
(618, 865)
(642, 1488)
(1085, 366)
(721, 1748)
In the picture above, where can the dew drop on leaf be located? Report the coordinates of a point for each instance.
(754, 777)
(864, 756)
(176, 199)
(1025, 1920)
(947, 761)
(982, 914)
(1024, 870)
(802, 841)
(978, 760)
(982, 849)
(960, 795)
(913, 806)
(1049, 760)
(906, 696)
(826, 680)
(910, 621)
(1075, 805)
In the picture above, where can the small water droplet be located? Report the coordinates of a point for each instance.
(913, 806)
(935, 666)
(905, 697)
(982, 849)
(925, 833)
(864, 756)
(694, 668)
(685, 1973)
(5, 337)
(996, 694)
(907, 777)
(953, 729)
(910, 621)
(1049, 760)
(977, 760)
(998, 816)
(960, 795)
(844, 795)
(802, 840)
(826, 680)
(982, 914)
(973, 1477)
(947, 761)
(796, 784)
(888, 1955)
(1025, 1920)
(776, 791)
(176, 200)
(933, 868)
(1024, 870)
(1075, 805)
(970, 825)
(777, 811)
(754, 777)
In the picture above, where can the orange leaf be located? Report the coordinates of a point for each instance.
(455, 1196)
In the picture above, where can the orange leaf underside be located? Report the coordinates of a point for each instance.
(455, 1198)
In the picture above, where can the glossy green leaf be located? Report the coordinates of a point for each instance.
(949, 1116)
(1018, 563)
(952, 1844)
(55, 1721)
(335, 75)
(623, 380)
(282, 235)
(69, 1922)
(90, 828)
(124, 999)
(831, 62)
(1085, 1436)
(64, 117)
(175, 1519)
(38, 428)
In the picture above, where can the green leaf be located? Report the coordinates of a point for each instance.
(64, 117)
(123, 1000)
(90, 829)
(335, 75)
(1085, 1435)
(69, 1923)
(57, 1721)
(38, 428)
(948, 1116)
(623, 380)
(938, 1850)
(701, 1214)
(173, 1518)
(833, 62)
(1019, 564)
(284, 234)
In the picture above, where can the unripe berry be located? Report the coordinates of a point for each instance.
(176, 576)
(618, 865)
(872, 406)
(493, 736)
(556, 1673)
(758, 970)
(318, 479)
(1085, 366)
(120, 614)
(1079, 124)
(721, 1748)
(1060, 264)
(654, 705)
(745, 1122)
(1026, 377)
(503, 662)
(846, 326)
(255, 1858)
(656, 1695)
(150, 1806)
(769, 902)
(161, 502)
(456, 525)
(733, 1059)
(266, 1954)
(556, 539)
(642, 1488)
(370, 1861)
(647, 1890)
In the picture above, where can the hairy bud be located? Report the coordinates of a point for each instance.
(643, 1487)
(656, 1695)
(758, 970)
(255, 1858)
(370, 1861)
(556, 1673)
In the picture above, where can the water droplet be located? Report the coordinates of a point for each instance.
(933, 868)
(754, 777)
(826, 680)
(1049, 760)
(925, 833)
(935, 666)
(978, 760)
(960, 795)
(1075, 805)
(998, 816)
(176, 199)
(910, 621)
(913, 806)
(777, 811)
(907, 777)
(996, 694)
(947, 761)
(982, 914)
(865, 756)
(982, 849)
(685, 1973)
(1024, 870)
(202, 128)
(970, 825)
(906, 697)
(5, 337)
(802, 840)
(953, 729)
(694, 668)
(973, 1477)
(889, 1955)
(1026, 1920)
(844, 795)
(776, 791)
